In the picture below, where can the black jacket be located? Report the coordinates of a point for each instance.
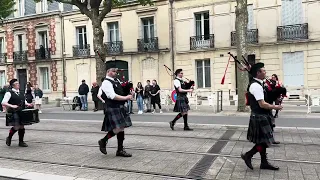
(94, 92)
(83, 89)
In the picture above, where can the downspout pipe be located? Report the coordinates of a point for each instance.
(172, 35)
(64, 78)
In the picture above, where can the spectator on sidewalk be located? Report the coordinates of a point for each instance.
(279, 100)
(94, 92)
(29, 96)
(139, 93)
(155, 96)
(129, 102)
(83, 93)
(38, 97)
(147, 96)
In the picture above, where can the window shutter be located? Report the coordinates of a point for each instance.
(140, 28)
(30, 7)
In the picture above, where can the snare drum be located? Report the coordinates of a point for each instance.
(29, 116)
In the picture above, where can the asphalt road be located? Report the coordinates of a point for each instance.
(226, 120)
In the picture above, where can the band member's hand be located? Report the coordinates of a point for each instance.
(278, 107)
(190, 90)
(129, 97)
(103, 102)
(14, 106)
(29, 105)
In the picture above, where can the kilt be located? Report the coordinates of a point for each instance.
(115, 117)
(13, 119)
(260, 130)
(182, 104)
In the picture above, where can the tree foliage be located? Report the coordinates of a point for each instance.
(7, 8)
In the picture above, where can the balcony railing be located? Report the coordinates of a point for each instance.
(43, 54)
(20, 56)
(292, 32)
(81, 50)
(252, 37)
(3, 58)
(115, 47)
(148, 45)
(203, 41)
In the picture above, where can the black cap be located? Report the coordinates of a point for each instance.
(12, 81)
(110, 64)
(254, 68)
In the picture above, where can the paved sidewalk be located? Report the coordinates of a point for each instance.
(69, 149)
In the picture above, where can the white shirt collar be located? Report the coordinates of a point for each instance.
(14, 90)
(179, 78)
(259, 80)
(108, 77)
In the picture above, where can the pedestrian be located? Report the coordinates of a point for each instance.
(260, 130)
(3, 91)
(29, 96)
(147, 96)
(15, 102)
(129, 102)
(275, 78)
(182, 102)
(38, 98)
(116, 118)
(83, 93)
(94, 92)
(155, 96)
(139, 97)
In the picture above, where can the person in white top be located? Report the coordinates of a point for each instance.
(182, 102)
(14, 102)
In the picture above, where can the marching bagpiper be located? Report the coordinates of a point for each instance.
(182, 102)
(15, 103)
(116, 118)
(260, 130)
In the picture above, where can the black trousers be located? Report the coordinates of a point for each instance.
(96, 104)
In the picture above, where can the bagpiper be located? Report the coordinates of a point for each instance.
(116, 118)
(260, 130)
(182, 102)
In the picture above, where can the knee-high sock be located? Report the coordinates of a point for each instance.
(109, 135)
(21, 133)
(177, 117)
(185, 119)
(120, 137)
(12, 131)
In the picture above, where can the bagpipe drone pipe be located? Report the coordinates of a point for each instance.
(189, 84)
(274, 90)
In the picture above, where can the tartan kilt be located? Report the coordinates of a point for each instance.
(260, 130)
(22, 118)
(115, 117)
(182, 104)
(13, 119)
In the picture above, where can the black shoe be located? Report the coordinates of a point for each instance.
(123, 153)
(268, 166)
(102, 146)
(247, 160)
(187, 129)
(276, 116)
(23, 144)
(171, 125)
(275, 142)
(8, 141)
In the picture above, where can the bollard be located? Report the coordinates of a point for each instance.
(58, 100)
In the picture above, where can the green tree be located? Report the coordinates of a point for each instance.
(241, 44)
(96, 10)
(7, 8)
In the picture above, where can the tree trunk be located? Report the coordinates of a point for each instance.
(241, 42)
(98, 44)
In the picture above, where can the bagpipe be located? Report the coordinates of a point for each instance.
(273, 89)
(189, 83)
(127, 86)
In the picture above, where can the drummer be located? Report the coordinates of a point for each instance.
(14, 101)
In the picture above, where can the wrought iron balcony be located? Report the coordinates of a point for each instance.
(3, 58)
(203, 41)
(20, 56)
(115, 47)
(81, 50)
(43, 54)
(148, 45)
(292, 32)
(252, 37)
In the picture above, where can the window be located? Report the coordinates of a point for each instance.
(202, 25)
(43, 39)
(2, 78)
(113, 29)
(203, 73)
(1, 45)
(21, 7)
(82, 37)
(250, 17)
(292, 12)
(148, 28)
(43, 5)
(20, 44)
(44, 78)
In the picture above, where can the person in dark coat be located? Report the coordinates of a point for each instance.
(260, 131)
(94, 92)
(155, 96)
(83, 92)
(29, 89)
(147, 96)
